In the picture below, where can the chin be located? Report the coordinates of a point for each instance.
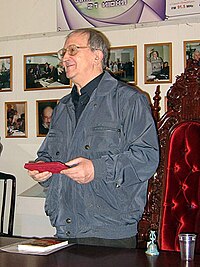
(69, 76)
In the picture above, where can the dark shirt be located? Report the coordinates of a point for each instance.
(43, 130)
(80, 101)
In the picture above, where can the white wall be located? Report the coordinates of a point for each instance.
(29, 27)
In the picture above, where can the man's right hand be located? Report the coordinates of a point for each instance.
(40, 176)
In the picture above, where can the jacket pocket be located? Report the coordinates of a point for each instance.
(105, 138)
(55, 144)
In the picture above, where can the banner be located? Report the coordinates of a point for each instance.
(182, 7)
(74, 14)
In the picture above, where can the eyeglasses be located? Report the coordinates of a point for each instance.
(72, 50)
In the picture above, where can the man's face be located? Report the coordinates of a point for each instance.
(46, 118)
(80, 68)
(197, 56)
(155, 54)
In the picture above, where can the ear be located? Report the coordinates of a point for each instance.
(98, 56)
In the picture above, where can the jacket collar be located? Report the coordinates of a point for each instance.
(106, 84)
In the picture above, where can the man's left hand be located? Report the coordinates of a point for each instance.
(81, 171)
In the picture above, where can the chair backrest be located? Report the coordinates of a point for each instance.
(173, 203)
(155, 107)
(7, 197)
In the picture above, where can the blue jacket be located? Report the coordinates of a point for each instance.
(117, 132)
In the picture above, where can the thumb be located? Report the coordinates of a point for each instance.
(73, 162)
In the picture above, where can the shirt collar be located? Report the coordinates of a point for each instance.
(88, 88)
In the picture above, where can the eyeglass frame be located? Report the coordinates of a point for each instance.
(65, 50)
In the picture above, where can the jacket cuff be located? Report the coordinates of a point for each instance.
(45, 183)
(42, 159)
(100, 171)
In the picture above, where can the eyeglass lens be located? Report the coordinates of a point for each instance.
(72, 51)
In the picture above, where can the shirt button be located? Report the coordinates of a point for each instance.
(57, 153)
(68, 233)
(87, 147)
(68, 220)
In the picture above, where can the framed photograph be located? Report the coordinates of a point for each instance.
(158, 63)
(16, 119)
(5, 74)
(44, 71)
(191, 51)
(44, 109)
(123, 63)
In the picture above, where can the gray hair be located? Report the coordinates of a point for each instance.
(97, 41)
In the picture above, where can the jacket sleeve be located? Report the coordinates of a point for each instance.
(139, 156)
(44, 156)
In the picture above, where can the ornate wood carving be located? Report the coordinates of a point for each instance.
(183, 99)
(156, 105)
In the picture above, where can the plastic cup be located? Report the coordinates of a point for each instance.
(187, 246)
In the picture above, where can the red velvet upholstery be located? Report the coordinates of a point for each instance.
(173, 199)
(181, 205)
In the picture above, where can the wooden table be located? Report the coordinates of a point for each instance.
(88, 256)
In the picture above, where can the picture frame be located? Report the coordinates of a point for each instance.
(6, 73)
(44, 110)
(44, 71)
(158, 63)
(191, 51)
(16, 119)
(122, 63)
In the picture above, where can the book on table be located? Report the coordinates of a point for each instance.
(42, 245)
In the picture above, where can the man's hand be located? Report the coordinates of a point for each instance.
(81, 171)
(39, 176)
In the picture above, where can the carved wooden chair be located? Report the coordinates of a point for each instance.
(7, 197)
(173, 202)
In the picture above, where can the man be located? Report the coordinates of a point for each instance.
(156, 62)
(105, 132)
(46, 116)
(196, 56)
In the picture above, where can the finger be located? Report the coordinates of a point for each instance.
(32, 173)
(74, 162)
(72, 170)
(43, 176)
(41, 179)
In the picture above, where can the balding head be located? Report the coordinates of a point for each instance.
(46, 116)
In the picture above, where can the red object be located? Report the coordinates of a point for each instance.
(53, 167)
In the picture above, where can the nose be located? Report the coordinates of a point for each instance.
(65, 57)
(64, 62)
